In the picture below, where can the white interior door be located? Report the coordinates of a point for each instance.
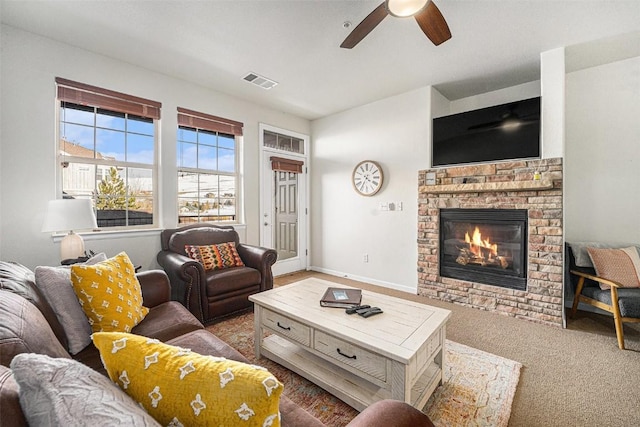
(286, 214)
(283, 201)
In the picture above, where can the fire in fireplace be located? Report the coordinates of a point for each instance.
(484, 246)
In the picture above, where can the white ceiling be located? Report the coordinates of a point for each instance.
(495, 44)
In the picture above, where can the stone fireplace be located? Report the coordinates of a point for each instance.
(490, 237)
(484, 245)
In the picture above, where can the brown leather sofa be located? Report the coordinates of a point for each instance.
(29, 325)
(212, 294)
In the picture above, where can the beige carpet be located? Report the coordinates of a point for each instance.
(478, 390)
(570, 377)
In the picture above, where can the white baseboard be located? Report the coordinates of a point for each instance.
(384, 284)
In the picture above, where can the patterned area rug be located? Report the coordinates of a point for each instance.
(478, 390)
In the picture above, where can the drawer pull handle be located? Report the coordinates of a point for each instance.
(286, 328)
(342, 354)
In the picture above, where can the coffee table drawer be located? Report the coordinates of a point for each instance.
(351, 355)
(289, 328)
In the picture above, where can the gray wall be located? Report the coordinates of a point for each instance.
(602, 136)
(396, 132)
(603, 153)
(29, 66)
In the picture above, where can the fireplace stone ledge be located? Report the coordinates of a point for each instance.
(484, 187)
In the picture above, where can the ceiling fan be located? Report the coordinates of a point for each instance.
(425, 12)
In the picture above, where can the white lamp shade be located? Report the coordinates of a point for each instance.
(69, 214)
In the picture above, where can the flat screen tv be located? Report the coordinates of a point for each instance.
(502, 132)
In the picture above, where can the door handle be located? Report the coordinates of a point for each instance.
(266, 223)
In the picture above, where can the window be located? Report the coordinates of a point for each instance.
(207, 168)
(283, 142)
(107, 152)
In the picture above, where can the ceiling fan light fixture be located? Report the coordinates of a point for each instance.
(511, 123)
(405, 8)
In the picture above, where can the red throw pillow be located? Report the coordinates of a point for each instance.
(215, 257)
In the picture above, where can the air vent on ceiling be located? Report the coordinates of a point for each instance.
(258, 80)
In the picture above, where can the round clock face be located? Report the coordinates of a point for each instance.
(367, 178)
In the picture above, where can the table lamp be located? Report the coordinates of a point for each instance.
(69, 215)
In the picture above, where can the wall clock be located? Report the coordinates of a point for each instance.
(367, 177)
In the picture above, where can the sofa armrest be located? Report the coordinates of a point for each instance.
(261, 259)
(384, 413)
(155, 287)
(10, 410)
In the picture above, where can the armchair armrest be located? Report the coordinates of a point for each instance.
(155, 287)
(595, 279)
(261, 259)
(388, 412)
(185, 277)
(614, 308)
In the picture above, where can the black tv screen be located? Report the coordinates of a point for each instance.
(503, 132)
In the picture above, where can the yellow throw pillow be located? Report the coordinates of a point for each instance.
(110, 294)
(179, 387)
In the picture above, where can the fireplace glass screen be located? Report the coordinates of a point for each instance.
(484, 246)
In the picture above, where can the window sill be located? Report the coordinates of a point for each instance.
(121, 234)
(105, 235)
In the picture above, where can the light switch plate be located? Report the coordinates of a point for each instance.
(430, 178)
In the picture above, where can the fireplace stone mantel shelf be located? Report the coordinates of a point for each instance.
(483, 187)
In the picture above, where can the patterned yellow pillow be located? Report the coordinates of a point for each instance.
(181, 388)
(215, 257)
(110, 294)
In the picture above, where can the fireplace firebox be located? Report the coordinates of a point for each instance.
(484, 246)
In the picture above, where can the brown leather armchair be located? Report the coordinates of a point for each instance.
(215, 293)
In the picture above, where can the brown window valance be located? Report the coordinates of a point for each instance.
(204, 121)
(286, 165)
(84, 94)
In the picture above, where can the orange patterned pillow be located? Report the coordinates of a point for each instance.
(215, 257)
(620, 265)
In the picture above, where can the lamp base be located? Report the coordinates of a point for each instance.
(71, 246)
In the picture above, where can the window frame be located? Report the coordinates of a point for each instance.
(196, 121)
(91, 97)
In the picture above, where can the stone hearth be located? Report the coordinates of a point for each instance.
(509, 185)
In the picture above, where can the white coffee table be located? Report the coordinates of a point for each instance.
(394, 355)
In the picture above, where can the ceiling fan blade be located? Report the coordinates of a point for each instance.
(365, 27)
(433, 24)
(489, 125)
